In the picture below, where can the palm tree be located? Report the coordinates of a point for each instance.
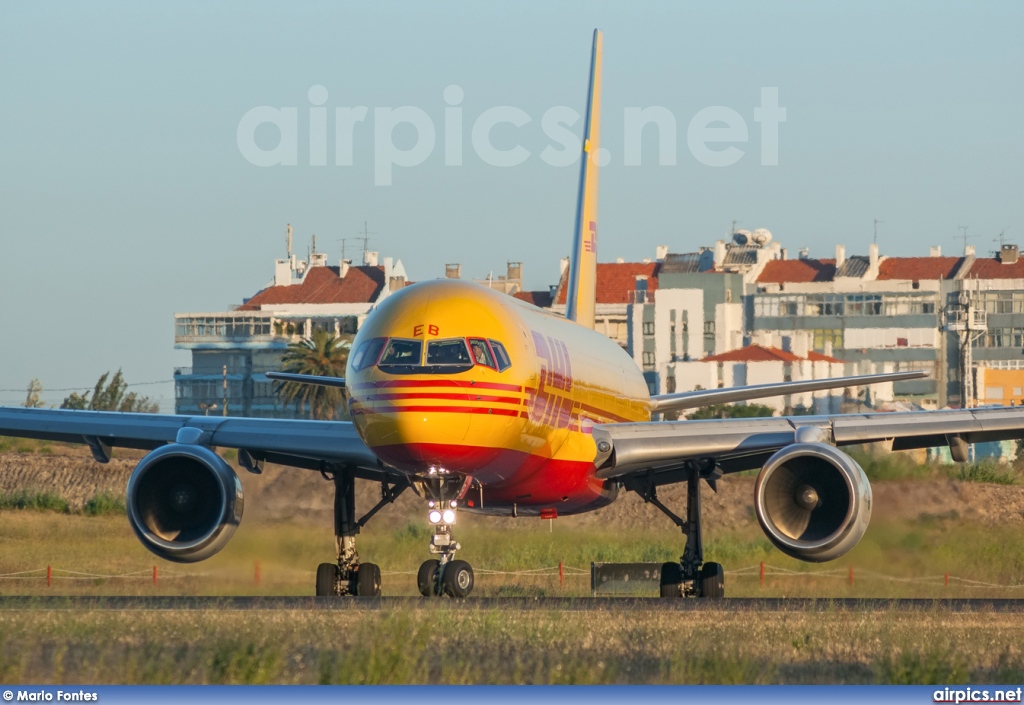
(324, 355)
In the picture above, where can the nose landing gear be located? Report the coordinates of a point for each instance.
(444, 575)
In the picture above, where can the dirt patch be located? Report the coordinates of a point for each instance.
(288, 494)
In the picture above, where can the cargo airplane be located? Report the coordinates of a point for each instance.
(483, 403)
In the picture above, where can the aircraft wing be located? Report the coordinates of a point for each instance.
(299, 443)
(706, 397)
(746, 444)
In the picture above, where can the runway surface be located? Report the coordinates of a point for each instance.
(571, 604)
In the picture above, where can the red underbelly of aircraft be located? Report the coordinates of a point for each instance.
(511, 479)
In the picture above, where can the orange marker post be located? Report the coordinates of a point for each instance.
(256, 576)
(561, 574)
(154, 575)
(49, 575)
(851, 576)
(762, 573)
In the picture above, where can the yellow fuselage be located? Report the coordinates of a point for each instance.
(513, 407)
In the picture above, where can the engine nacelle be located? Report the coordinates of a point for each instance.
(813, 501)
(184, 502)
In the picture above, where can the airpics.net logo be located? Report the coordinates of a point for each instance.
(715, 136)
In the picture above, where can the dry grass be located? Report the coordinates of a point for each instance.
(444, 644)
(449, 645)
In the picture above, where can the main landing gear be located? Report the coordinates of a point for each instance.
(691, 576)
(349, 576)
(444, 575)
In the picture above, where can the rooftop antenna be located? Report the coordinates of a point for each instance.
(734, 224)
(289, 240)
(1001, 238)
(964, 236)
(365, 237)
(314, 243)
(343, 241)
(877, 221)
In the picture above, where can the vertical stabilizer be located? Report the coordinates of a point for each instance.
(581, 298)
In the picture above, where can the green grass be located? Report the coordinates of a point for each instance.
(986, 471)
(104, 503)
(37, 501)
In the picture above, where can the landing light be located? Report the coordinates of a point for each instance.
(434, 516)
(449, 516)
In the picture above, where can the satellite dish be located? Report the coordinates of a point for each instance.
(741, 237)
(761, 236)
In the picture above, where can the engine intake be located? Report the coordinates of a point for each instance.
(813, 501)
(184, 502)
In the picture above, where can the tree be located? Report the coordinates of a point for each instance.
(32, 400)
(110, 396)
(324, 355)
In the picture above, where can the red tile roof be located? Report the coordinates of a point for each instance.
(616, 281)
(991, 268)
(783, 271)
(916, 268)
(763, 353)
(324, 285)
(815, 356)
(537, 298)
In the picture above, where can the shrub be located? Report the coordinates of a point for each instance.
(103, 504)
(39, 501)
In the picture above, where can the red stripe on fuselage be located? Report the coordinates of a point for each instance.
(458, 383)
(443, 396)
(442, 409)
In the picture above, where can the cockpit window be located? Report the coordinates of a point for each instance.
(499, 352)
(448, 352)
(481, 352)
(401, 353)
(367, 354)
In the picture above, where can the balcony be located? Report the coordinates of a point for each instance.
(960, 318)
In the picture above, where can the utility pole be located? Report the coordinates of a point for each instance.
(289, 240)
(224, 408)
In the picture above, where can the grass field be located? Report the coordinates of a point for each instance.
(440, 642)
(288, 555)
(449, 644)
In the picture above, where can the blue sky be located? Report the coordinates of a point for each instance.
(124, 197)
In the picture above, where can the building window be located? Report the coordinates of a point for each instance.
(648, 361)
(1002, 338)
(648, 327)
(821, 336)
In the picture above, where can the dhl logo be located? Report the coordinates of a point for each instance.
(590, 244)
(552, 402)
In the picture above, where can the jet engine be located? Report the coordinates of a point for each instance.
(813, 501)
(184, 502)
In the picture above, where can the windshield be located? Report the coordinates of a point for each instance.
(401, 355)
(367, 354)
(448, 352)
(404, 356)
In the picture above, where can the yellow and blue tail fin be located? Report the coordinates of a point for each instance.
(581, 298)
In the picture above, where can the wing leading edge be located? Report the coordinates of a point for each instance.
(706, 397)
(298, 443)
(744, 444)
